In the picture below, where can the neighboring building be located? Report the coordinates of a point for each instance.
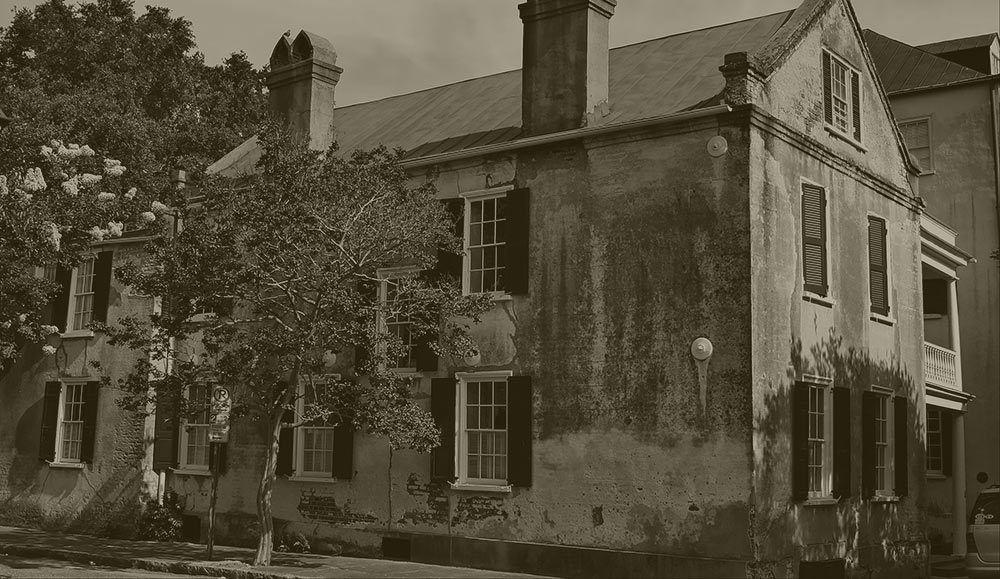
(744, 183)
(946, 98)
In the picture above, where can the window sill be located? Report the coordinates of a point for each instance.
(69, 465)
(313, 479)
(886, 320)
(819, 502)
(845, 137)
(481, 488)
(817, 299)
(192, 472)
(885, 499)
(77, 334)
(936, 476)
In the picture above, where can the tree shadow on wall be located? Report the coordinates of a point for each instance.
(871, 537)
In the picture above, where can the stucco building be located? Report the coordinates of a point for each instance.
(945, 98)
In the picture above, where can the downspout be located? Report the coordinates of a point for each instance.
(994, 98)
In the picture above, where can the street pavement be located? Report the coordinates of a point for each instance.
(101, 555)
(13, 567)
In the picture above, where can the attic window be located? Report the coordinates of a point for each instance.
(841, 97)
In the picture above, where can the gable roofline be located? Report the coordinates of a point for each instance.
(963, 43)
(946, 85)
(917, 63)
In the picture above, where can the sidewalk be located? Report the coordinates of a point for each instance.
(947, 566)
(231, 562)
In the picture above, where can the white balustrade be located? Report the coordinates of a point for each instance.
(940, 366)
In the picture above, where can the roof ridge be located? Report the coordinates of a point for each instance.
(948, 63)
(974, 36)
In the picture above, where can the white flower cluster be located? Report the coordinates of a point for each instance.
(57, 152)
(104, 196)
(113, 168)
(48, 350)
(158, 207)
(130, 194)
(147, 217)
(71, 186)
(88, 179)
(33, 181)
(51, 231)
(115, 228)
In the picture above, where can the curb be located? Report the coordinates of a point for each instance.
(158, 565)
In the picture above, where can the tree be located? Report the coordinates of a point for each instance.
(132, 86)
(298, 250)
(50, 217)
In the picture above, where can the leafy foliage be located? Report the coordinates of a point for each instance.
(162, 522)
(300, 249)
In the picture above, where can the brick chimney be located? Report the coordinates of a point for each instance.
(300, 86)
(565, 68)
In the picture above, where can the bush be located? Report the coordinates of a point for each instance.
(161, 522)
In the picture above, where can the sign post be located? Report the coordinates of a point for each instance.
(218, 434)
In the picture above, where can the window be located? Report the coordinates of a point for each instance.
(491, 447)
(917, 137)
(841, 97)
(398, 322)
(496, 242)
(317, 449)
(814, 248)
(819, 442)
(878, 270)
(935, 454)
(69, 419)
(884, 443)
(194, 446)
(83, 297)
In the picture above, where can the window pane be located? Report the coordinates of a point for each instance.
(476, 215)
(489, 210)
(476, 258)
(475, 235)
(473, 465)
(485, 417)
(476, 279)
(472, 391)
(489, 281)
(499, 417)
(472, 417)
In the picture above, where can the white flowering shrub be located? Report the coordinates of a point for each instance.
(51, 214)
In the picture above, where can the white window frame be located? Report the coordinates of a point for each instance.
(182, 443)
(835, 62)
(60, 456)
(940, 441)
(885, 442)
(823, 387)
(469, 198)
(386, 276)
(930, 140)
(75, 294)
(461, 419)
(299, 437)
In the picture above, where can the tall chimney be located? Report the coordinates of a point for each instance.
(565, 69)
(303, 76)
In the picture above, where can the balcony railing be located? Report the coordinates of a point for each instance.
(940, 366)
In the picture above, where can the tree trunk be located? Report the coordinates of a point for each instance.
(265, 543)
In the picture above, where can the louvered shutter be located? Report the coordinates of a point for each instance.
(917, 136)
(217, 457)
(901, 431)
(450, 264)
(165, 434)
(827, 89)
(946, 426)
(443, 412)
(869, 400)
(60, 304)
(102, 285)
(343, 451)
(518, 213)
(814, 239)
(856, 104)
(519, 431)
(286, 443)
(877, 267)
(841, 442)
(89, 417)
(50, 418)
(425, 357)
(800, 441)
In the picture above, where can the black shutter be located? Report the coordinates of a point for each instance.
(426, 358)
(814, 239)
(443, 412)
(901, 431)
(90, 394)
(519, 435)
(102, 285)
(165, 434)
(60, 304)
(869, 400)
(856, 104)
(877, 266)
(800, 441)
(50, 417)
(286, 442)
(343, 451)
(518, 212)
(827, 90)
(946, 426)
(222, 464)
(841, 442)
(448, 263)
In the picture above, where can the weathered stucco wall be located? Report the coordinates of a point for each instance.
(638, 246)
(103, 497)
(962, 192)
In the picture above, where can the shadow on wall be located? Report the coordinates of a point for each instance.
(872, 538)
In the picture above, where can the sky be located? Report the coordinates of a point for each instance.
(389, 47)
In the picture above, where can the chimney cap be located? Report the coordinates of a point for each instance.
(307, 45)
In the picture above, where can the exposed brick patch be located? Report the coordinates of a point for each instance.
(437, 501)
(475, 508)
(318, 507)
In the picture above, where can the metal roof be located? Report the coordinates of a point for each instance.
(956, 44)
(647, 80)
(903, 67)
